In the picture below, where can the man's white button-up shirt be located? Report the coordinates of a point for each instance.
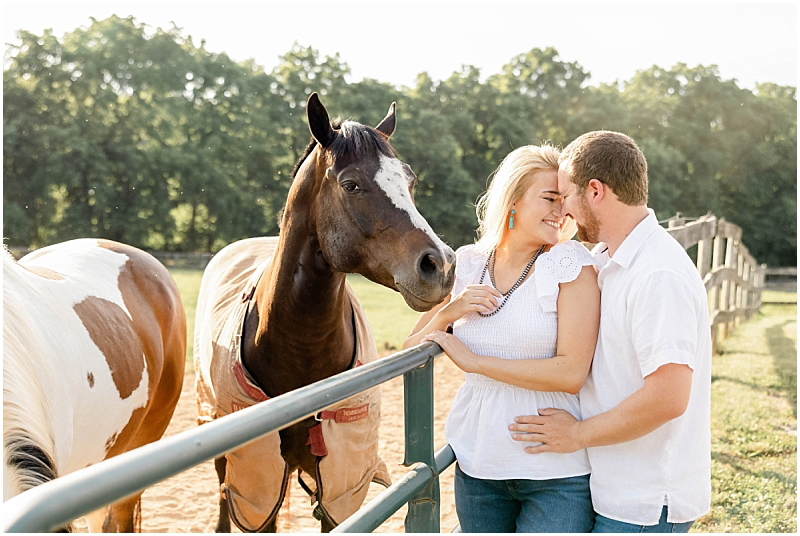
(654, 311)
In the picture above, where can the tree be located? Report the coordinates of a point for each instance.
(148, 138)
(713, 147)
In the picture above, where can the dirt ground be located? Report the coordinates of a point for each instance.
(188, 502)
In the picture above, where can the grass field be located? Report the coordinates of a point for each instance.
(778, 296)
(754, 406)
(754, 427)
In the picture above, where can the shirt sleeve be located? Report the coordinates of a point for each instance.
(469, 263)
(663, 319)
(562, 264)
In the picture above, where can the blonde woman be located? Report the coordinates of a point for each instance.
(524, 313)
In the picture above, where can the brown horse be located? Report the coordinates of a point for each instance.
(274, 315)
(94, 348)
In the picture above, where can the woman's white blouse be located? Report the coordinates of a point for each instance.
(525, 328)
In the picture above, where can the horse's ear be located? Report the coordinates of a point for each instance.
(318, 121)
(389, 122)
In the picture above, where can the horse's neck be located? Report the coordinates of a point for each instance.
(300, 329)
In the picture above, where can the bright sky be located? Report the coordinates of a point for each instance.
(395, 41)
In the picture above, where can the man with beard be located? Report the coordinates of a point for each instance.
(646, 403)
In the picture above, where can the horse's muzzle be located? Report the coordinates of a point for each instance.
(431, 281)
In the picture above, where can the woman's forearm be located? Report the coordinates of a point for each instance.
(435, 323)
(559, 373)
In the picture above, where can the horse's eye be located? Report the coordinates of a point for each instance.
(350, 187)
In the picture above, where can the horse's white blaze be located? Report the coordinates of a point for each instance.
(393, 180)
(67, 362)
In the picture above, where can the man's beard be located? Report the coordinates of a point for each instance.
(589, 229)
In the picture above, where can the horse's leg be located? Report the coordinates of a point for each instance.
(95, 519)
(224, 523)
(124, 515)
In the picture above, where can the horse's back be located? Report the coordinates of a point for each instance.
(110, 324)
(232, 271)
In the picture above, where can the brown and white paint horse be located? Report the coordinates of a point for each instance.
(94, 342)
(350, 209)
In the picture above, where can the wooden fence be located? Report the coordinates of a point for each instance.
(732, 277)
(783, 280)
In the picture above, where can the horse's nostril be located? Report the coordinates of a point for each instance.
(428, 265)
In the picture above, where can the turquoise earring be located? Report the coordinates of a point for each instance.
(511, 219)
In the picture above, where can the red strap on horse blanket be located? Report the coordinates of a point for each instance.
(316, 441)
(252, 391)
(345, 414)
(315, 437)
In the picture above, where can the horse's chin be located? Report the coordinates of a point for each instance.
(415, 302)
(420, 300)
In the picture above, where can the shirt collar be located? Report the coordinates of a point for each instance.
(634, 241)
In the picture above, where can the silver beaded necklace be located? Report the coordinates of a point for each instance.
(506, 295)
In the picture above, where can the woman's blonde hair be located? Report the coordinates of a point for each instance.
(511, 180)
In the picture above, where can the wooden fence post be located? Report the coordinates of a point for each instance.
(676, 221)
(751, 302)
(739, 289)
(725, 296)
(714, 293)
(704, 251)
(761, 277)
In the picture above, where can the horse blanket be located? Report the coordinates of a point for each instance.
(346, 439)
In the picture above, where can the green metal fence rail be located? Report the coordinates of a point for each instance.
(370, 517)
(60, 501)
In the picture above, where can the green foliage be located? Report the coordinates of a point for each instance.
(150, 139)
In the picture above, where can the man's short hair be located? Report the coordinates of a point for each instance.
(612, 158)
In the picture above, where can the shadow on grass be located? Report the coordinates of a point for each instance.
(787, 387)
(731, 461)
(784, 358)
(735, 462)
(766, 389)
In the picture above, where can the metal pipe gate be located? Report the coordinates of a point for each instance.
(60, 501)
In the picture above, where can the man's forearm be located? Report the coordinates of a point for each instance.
(636, 416)
(663, 397)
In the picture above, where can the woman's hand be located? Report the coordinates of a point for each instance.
(475, 298)
(456, 350)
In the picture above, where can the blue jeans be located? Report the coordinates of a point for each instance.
(520, 505)
(605, 524)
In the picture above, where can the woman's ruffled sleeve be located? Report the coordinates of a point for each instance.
(469, 264)
(561, 264)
